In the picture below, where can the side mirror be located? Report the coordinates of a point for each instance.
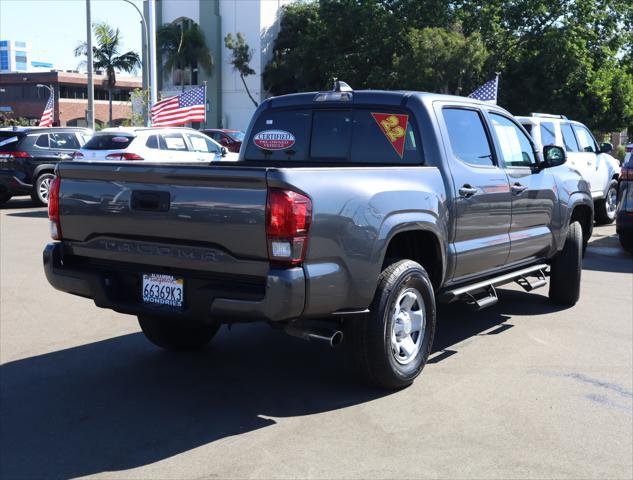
(606, 148)
(554, 156)
(224, 151)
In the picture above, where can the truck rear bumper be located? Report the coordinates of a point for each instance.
(280, 296)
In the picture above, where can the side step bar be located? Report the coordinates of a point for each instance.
(483, 294)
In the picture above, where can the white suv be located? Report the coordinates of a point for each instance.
(584, 154)
(154, 145)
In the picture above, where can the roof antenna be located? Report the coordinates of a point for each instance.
(340, 86)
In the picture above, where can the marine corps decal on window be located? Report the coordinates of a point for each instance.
(394, 126)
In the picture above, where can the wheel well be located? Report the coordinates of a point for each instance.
(582, 213)
(419, 246)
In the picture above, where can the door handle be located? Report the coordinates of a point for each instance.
(517, 188)
(467, 191)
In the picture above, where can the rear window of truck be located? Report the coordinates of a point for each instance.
(109, 141)
(352, 136)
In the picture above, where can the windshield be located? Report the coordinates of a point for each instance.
(237, 136)
(109, 141)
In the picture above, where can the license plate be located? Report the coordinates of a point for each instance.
(163, 289)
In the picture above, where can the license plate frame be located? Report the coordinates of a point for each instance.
(160, 289)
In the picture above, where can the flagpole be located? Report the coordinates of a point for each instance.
(205, 104)
(90, 112)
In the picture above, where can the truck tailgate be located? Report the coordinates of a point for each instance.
(195, 217)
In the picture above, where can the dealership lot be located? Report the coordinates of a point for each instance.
(522, 389)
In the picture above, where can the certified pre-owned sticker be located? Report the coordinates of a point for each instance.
(274, 139)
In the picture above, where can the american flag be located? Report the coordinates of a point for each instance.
(487, 92)
(181, 109)
(47, 116)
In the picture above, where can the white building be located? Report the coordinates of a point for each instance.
(258, 20)
(15, 56)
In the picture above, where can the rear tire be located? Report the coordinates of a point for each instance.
(41, 187)
(605, 208)
(390, 346)
(4, 198)
(626, 240)
(172, 334)
(566, 269)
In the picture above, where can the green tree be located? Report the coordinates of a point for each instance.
(441, 60)
(242, 55)
(558, 56)
(183, 47)
(106, 57)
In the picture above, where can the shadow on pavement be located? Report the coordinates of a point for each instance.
(607, 255)
(40, 213)
(121, 403)
(21, 202)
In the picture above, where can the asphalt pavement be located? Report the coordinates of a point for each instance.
(521, 390)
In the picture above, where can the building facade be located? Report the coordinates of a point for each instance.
(15, 56)
(21, 98)
(228, 104)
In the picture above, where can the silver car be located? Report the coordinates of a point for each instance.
(154, 145)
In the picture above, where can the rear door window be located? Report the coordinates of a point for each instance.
(569, 139)
(468, 137)
(152, 142)
(360, 135)
(109, 141)
(42, 141)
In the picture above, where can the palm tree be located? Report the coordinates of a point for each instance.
(106, 57)
(183, 47)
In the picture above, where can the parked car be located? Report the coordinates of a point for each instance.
(231, 139)
(624, 221)
(593, 161)
(28, 156)
(153, 144)
(447, 198)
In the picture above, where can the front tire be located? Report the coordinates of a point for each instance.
(566, 269)
(606, 207)
(4, 198)
(392, 343)
(175, 334)
(41, 188)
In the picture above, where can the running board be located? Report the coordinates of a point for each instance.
(490, 295)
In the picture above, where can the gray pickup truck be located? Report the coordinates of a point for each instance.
(348, 212)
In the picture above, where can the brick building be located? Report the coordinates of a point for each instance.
(20, 97)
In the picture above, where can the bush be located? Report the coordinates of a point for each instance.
(619, 152)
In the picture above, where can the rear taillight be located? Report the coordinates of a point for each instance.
(12, 155)
(288, 218)
(626, 174)
(628, 149)
(53, 209)
(124, 156)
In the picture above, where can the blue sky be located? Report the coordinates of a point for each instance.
(55, 27)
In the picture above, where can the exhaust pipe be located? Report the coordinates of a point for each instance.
(332, 337)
